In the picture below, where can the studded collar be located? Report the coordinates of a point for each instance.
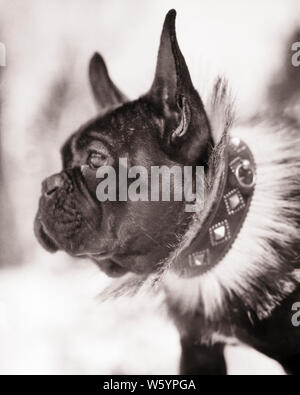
(226, 216)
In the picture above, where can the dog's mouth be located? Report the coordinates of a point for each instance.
(108, 263)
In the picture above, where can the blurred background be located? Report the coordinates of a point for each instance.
(50, 321)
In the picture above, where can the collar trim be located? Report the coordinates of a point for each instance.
(226, 217)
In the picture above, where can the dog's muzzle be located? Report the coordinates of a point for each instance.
(68, 218)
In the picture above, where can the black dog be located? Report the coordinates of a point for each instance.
(228, 271)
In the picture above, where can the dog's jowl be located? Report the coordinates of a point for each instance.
(229, 270)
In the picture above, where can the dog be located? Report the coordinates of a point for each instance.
(229, 271)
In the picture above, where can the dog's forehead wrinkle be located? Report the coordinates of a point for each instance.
(121, 127)
(90, 135)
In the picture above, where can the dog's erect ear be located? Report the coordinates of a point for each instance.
(187, 131)
(106, 94)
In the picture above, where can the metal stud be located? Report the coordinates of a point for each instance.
(237, 144)
(199, 259)
(219, 233)
(245, 174)
(235, 141)
(234, 201)
(246, 164)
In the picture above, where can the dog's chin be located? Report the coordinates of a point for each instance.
(44, 238)
(116, 265)
(111, 268)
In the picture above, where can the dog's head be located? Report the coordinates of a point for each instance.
(167, 126)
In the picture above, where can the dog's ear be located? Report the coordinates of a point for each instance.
(106, 94)
(187, 130)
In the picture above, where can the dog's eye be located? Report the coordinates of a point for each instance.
(97, 159)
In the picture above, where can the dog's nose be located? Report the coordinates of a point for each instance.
(51, 184)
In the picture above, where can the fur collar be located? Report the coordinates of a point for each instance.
(259, 271)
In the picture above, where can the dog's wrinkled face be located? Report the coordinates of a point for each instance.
(168, 126)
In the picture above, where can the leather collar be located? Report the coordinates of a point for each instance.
(226, 216)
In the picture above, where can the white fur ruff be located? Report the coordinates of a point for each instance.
(271, 217)
(248, 270)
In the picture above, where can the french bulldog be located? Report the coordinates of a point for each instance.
(228, 271)
(126, 236)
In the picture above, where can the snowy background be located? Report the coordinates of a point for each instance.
(50, 321)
